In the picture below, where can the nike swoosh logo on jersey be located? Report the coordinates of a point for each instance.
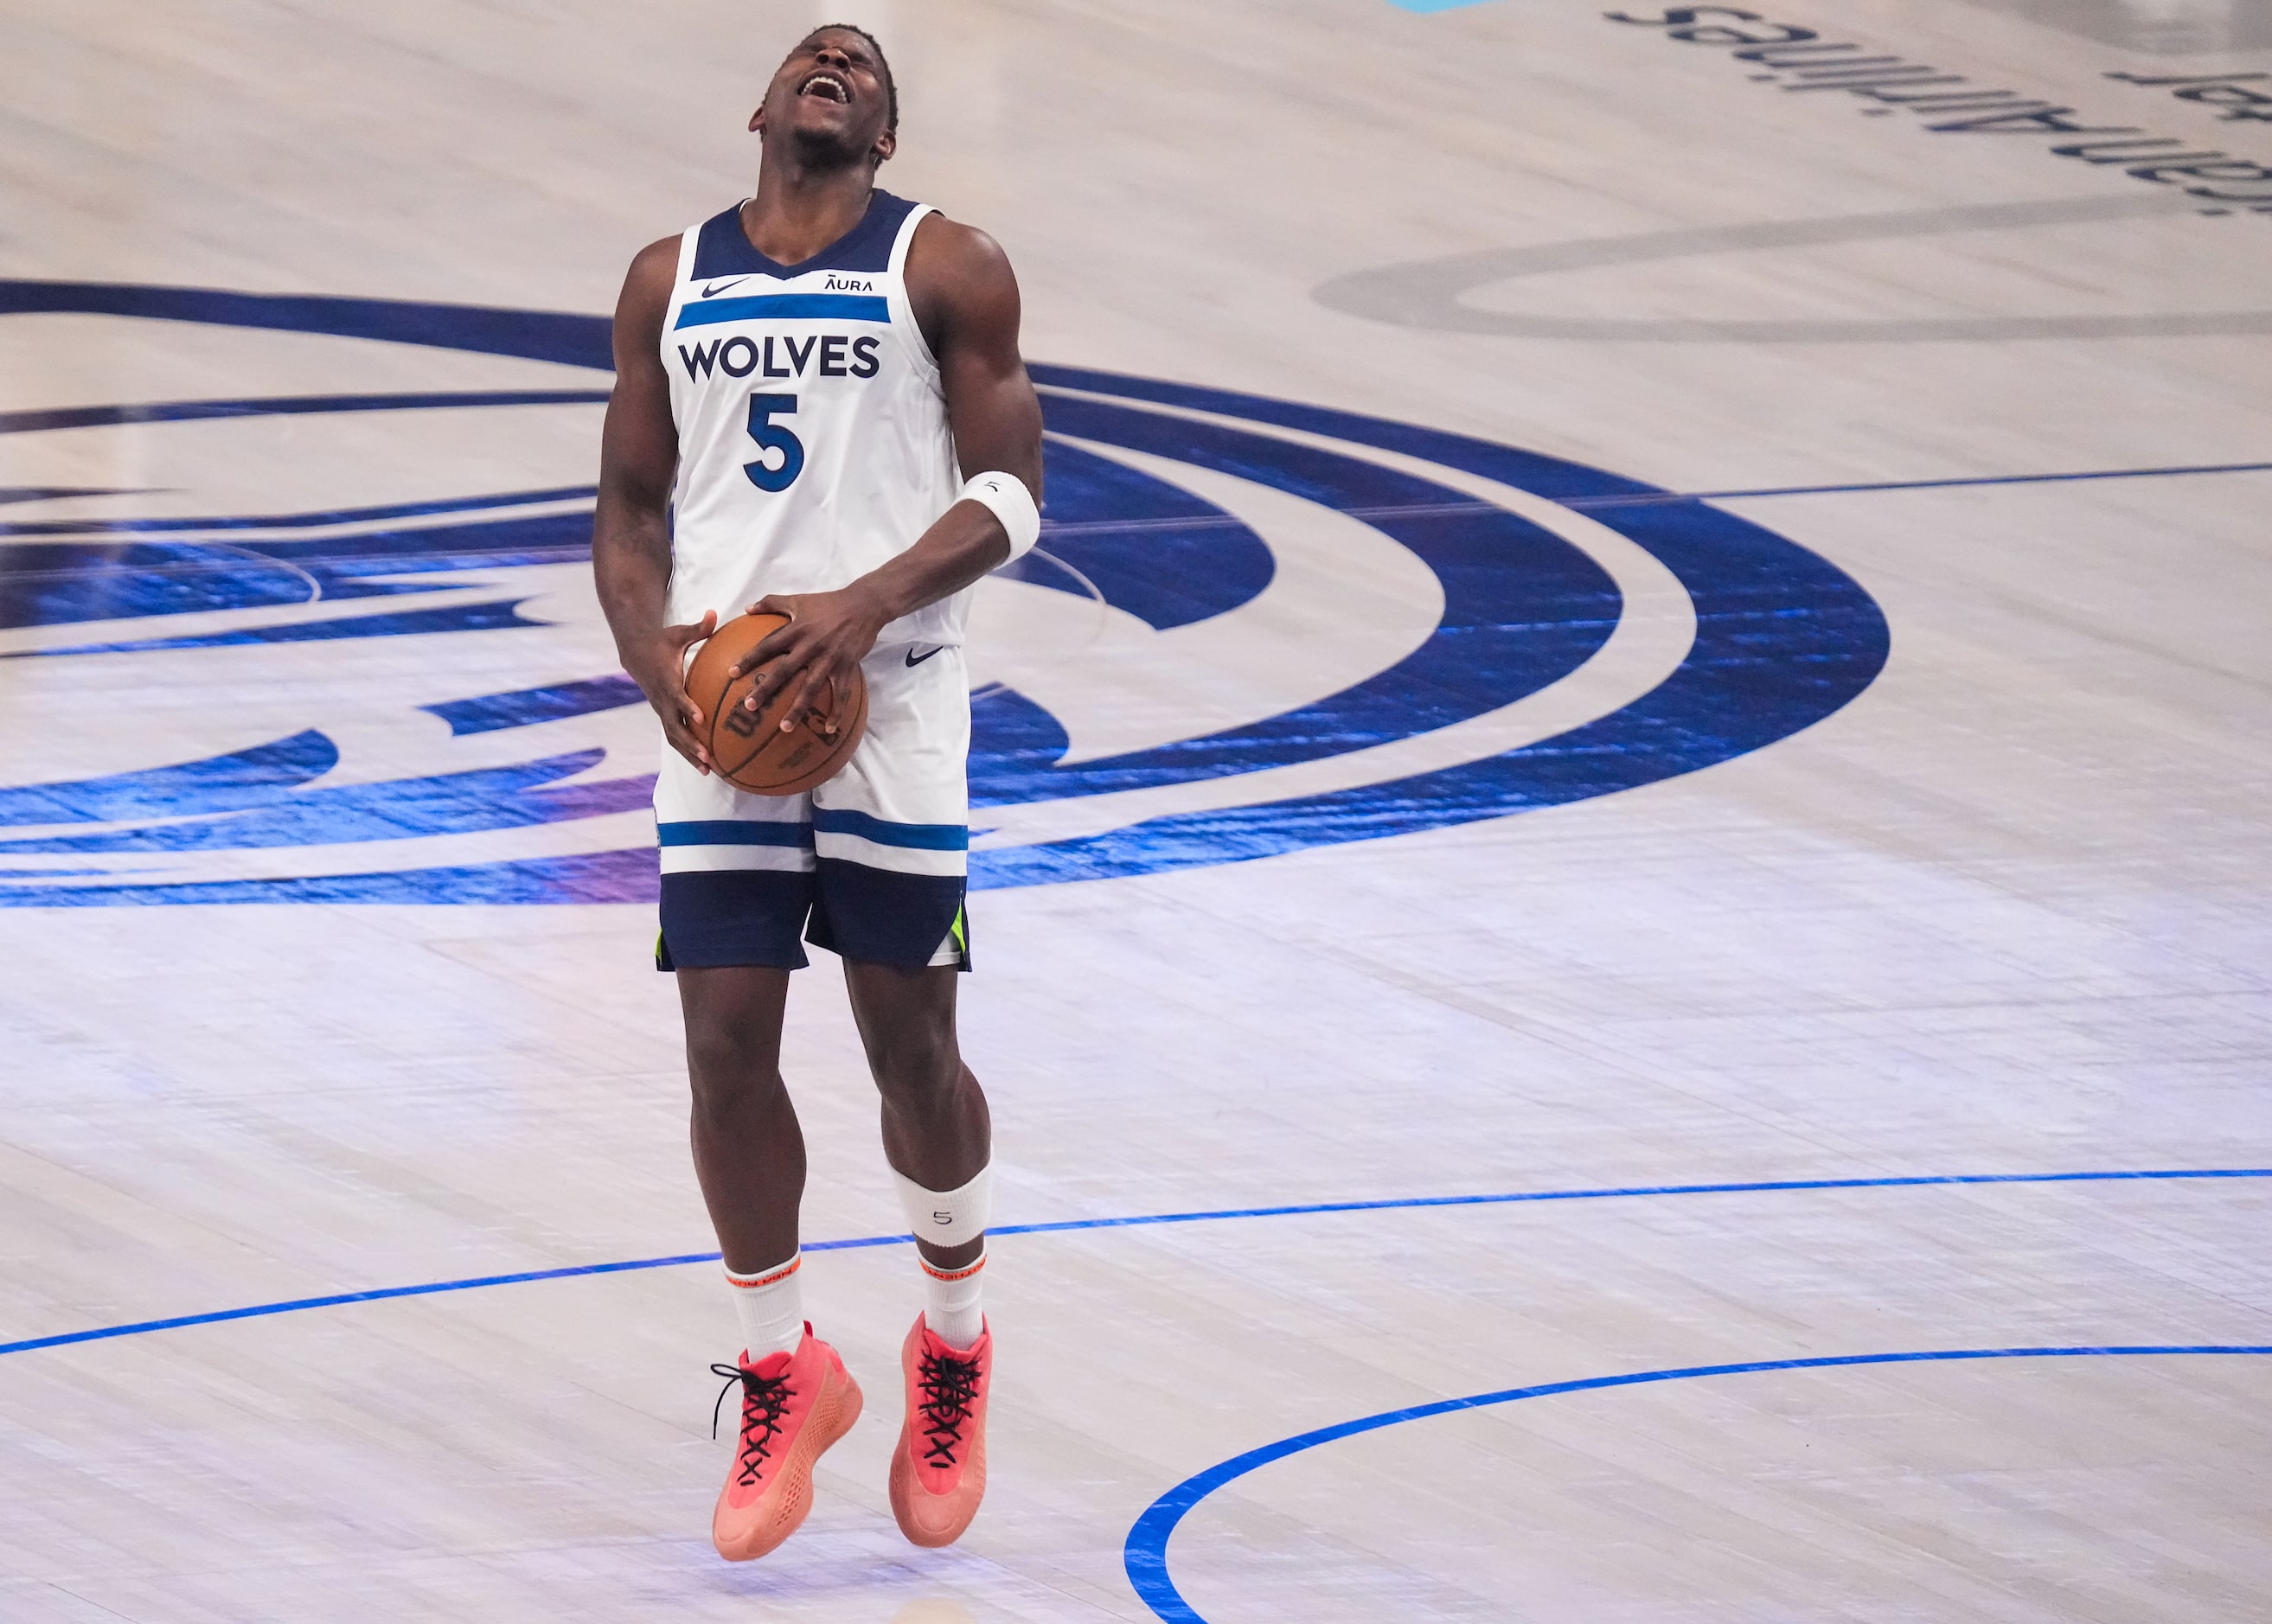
(711, 290)
(915, 658)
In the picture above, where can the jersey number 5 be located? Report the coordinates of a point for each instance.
(772, 438)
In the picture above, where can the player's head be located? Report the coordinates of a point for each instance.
(833, 97)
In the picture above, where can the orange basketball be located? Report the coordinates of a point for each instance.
(747, 747)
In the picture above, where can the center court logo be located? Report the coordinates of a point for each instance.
(1347, 627)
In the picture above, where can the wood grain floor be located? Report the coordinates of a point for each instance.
(2006, 912)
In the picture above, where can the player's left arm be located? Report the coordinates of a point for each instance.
(966, 301)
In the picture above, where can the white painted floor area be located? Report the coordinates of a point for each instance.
(2007, 912)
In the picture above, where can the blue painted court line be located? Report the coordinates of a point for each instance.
(1145, 1555)
(1659, 498)
(320, 520)
(1425, 6)
(1066, 1225)
(285, 405)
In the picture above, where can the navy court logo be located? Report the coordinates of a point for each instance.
(1347, 627)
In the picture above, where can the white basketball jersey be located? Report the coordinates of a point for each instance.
(812, 436)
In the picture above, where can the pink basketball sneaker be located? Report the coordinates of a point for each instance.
(938, 1471)
(794, 1406)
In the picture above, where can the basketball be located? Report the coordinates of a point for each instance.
(747, 747)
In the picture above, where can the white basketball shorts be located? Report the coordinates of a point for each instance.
(869, 865)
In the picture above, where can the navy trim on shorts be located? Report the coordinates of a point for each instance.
(714, 918)
(879, 916)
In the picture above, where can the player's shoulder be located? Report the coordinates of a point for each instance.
(655, 264)
(960, 281)
(645, 297)
(955, 250)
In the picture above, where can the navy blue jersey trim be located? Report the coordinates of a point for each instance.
(733, 831)
(723, 249)
(785, 307)
(917, 836)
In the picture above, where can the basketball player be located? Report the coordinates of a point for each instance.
(801, 380)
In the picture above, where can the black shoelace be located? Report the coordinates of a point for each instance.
(764, 1401)
(949, 1386)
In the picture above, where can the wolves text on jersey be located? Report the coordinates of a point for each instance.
(838, 355)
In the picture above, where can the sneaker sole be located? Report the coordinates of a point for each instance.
(833, 1412)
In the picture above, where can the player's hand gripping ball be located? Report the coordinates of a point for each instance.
(748, 747)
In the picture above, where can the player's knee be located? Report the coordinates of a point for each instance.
(728, 1073)
(916, 1068)
(724, 1099)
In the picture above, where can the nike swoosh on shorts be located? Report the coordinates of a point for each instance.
(915, 658)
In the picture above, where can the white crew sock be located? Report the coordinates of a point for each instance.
(951, 1307)
(950, 1218)
(771, 1303)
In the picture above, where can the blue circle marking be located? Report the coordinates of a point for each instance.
(1784, 638)
(1146, 1554)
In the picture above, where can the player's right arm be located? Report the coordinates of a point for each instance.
(631, 530)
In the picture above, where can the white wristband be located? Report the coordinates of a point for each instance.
(1006, 494)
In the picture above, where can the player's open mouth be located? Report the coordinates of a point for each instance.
(826, 84)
